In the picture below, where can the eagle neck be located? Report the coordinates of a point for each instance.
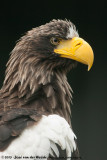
(63, 95)
(45, 90)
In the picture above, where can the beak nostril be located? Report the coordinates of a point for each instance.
(78, 44)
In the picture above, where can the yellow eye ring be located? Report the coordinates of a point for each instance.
(55, 41)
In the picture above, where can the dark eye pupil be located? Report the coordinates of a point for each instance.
(55, 40)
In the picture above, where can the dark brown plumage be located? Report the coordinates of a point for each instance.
(35, 82)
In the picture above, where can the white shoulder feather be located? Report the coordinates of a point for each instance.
(41, 139)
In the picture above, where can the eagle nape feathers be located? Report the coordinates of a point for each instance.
(35, 99)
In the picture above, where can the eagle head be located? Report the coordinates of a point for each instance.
(55, 45)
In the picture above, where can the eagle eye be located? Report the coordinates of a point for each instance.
(55, 41)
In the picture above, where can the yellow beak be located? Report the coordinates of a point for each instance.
(76, 49)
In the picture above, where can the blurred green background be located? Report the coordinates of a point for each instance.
(89, 109)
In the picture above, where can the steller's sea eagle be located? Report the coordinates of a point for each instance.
(35, 114)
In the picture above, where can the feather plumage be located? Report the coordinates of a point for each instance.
(36, 85)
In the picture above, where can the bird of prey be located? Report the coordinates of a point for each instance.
(35, 99)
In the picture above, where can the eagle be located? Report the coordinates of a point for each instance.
(35, 99)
